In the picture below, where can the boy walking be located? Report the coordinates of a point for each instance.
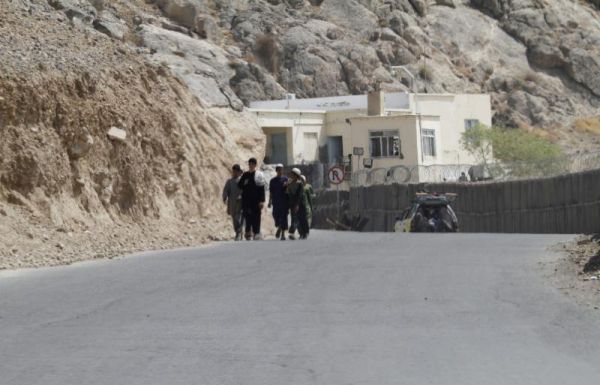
(233, 198)
(278, 200)
(252, 184)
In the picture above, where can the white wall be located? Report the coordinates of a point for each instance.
(404, 125)
(297, 123)
(444, 113)
(396, 100)
(453, 110)
(432, 123)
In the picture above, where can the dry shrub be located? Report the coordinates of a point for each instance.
(267, 51)
(588, 125)
(463, 71)
(425, 72)
(546, 134)
(384, 23)
(249, 58)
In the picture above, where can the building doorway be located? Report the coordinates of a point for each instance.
(278, 148)
(335, 150)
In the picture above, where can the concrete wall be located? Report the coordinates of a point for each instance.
(327, 208)
(295, 124)
(453, 110)
(403, 125)
(393, 100)
(566, 204)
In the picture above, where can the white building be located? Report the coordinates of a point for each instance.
(392, 129)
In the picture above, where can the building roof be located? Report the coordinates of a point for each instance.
(396, 100)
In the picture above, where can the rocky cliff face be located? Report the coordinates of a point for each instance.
(539, 59)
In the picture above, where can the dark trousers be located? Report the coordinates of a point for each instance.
(252, 218)
(237, 220)
(294, 222)
(280, 215)
(303, 226)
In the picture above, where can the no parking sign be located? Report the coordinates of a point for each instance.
(336, 175)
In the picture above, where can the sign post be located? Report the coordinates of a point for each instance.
(358, 151)
(336, 177)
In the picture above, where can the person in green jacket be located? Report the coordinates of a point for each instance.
(310, 195)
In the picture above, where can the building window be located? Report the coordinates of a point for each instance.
(428, 142)
(471, 123)
(384, 144)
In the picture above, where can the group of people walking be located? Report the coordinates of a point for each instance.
(289, 197)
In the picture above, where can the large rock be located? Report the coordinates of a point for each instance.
(207, 28)
(531, 108)
(81, 10)
(183, 12)
(351, 15)
(110, 25)
(400, 21)
(544, 54)
(420, 6)
(203, 66)
(252, 82)
(447, 3)
(584, 67)
(494, 7)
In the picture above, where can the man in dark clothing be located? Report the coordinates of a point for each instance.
(278, 200)
(232, 197)
(252, 184)
(296, 197)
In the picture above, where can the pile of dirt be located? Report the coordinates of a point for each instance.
(578, 273)
(585, 255)
(102, 151)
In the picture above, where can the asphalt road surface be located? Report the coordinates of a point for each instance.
(341, 308)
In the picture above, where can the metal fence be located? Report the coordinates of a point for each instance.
(472, 173)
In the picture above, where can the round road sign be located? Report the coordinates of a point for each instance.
(336, 175)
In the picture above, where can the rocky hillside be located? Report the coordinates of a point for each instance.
(539, 59)
(173, 76)
(103, 151)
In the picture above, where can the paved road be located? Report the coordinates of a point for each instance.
(339, 309)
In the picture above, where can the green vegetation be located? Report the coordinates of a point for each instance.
(513, 151)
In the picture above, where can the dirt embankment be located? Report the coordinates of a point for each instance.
(578, 273)
(70, 192)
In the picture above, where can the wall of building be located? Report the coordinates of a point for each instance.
(295, 124)
(443, 113)
(269, 131)
(395, 100)
(453, 110)
(568, 204)
(403, 125)
(433, 123)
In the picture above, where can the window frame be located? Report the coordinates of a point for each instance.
(384, 143)
(429, 134)
(469, 126)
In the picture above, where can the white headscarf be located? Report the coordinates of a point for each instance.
(259, 178)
